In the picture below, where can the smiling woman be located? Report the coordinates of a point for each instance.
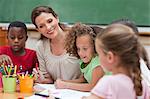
(53, 59)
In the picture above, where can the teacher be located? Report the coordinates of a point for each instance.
(54, 62)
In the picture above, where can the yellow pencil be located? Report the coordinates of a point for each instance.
(22, 76)
(15, 70)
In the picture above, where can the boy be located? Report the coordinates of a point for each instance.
(16, 53)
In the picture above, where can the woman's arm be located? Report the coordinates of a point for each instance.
(42, 75)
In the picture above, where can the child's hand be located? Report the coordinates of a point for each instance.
(60, 84)
(5, 59)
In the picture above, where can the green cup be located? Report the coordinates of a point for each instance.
(9, 83)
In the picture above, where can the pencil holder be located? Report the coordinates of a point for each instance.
(26, 85)
(9, 83)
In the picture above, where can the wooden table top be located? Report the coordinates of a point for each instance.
(14, 95)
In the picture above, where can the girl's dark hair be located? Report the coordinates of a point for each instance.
(132, 25)
(76, 31)
(17, 24)
(122, 41)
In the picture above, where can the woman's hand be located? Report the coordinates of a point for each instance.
(38, 75)
(41, 78)
(5, 59)
(60, 84)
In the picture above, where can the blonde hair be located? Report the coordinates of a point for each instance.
(123, 42)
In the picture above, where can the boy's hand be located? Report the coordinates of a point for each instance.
(5, 59)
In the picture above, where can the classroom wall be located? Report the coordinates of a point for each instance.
(86, 11)
(3, 37)
(34, 36)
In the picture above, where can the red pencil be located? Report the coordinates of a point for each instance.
(36, 66)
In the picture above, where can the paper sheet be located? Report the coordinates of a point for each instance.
(61, 93)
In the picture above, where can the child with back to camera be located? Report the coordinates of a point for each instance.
(80, 43)
(144, 60)
(16, 53)
(118, 48)
(132, 25)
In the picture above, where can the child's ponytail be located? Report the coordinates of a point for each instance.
(136, 71)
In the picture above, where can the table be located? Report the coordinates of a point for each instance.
(14, 95)
(49, 89)
(61, 93)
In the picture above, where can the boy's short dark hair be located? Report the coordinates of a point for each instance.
(17, 24)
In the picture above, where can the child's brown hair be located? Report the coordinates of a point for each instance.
(122, 41)
(132, 25)
(78, 30)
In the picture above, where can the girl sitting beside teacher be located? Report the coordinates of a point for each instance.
(80, 43)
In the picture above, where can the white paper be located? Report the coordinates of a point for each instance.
(60, 93)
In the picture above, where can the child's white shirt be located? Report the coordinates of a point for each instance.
(145, 72)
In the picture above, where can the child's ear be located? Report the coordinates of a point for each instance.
(110, 57)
